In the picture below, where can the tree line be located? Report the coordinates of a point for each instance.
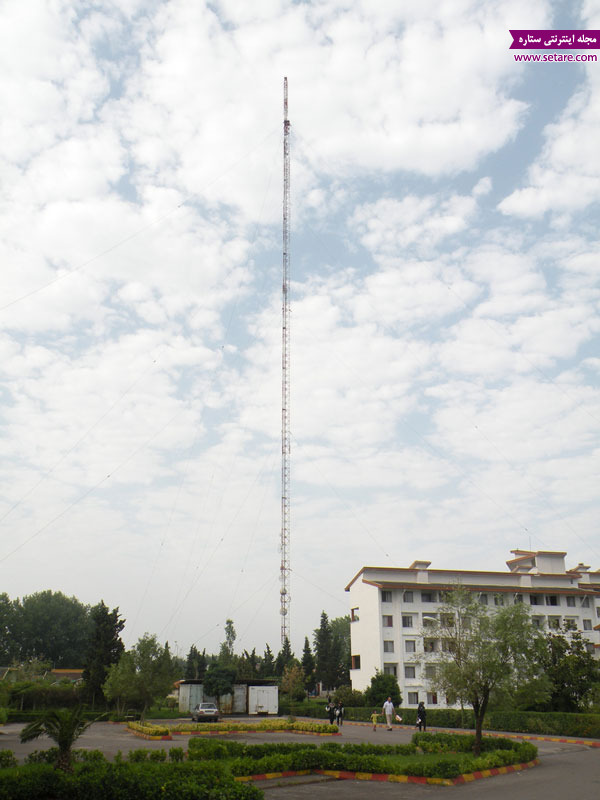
(49, 630)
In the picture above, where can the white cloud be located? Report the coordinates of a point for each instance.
(566, 175)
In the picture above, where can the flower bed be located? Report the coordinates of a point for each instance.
(148, 730)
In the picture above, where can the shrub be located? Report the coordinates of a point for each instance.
(137, 756)
(48, 756)
(125, 782)
(349, 697)
(7, 759)
(176, 754)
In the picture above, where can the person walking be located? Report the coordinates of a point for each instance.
(339, 714)
(374, 717)
(331, 712)
(388, 710)
(421, 716)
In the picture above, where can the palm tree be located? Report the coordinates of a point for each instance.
(64, 726)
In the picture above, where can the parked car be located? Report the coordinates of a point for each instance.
(205, 712)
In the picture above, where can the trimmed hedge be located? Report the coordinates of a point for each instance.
(145, 781)
(234, 727)
(247, 759)
(551, 723)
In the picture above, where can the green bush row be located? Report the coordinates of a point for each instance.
(551, 723)
(125, 781)
(338, 759)
(209, 749)
(279, 757)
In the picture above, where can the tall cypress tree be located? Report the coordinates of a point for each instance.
(268, 663)
(104, 649)
(324, 669)
(308, 665)
(285, 657)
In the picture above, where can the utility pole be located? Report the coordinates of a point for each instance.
(284, 575)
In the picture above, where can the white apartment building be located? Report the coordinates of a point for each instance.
(390, 609)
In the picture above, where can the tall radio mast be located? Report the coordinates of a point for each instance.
(284, 575)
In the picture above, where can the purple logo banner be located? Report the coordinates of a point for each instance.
(551, 40)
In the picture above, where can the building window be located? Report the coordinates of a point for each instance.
(353, 614)
(429, 646)
(570, 624)
(552, 600)
(428, 597)
(407, 597)
(448, 645)
(413, 698)
(534, 600)
(390, 669)
(355, 662)
(537, 622)
(590, 648)
(587, 624)
(585, 602)
(554, 623)
(571, 602)
(498, 600)
(598, 611)
(387, 621)
(518, 598)
(429, 620)
(430, 671)
(407, 621)
(432, 698)
(388, 646)
(447, 620)
(386, 597)
(409, 671)
(483, 599)
(410, 646)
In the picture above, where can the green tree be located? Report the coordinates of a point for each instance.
(268, 664)
(218, 681)
(226, 654)
(143, 675)
(195, 665)
(350, 698)
(285, 658)
(383, 686)
(325, 670)
(482, 649)
(8, 643)
(340, 634)
(292, 681)
(104, 649)
(52, 627)
(63, 726)
(572, 671)
(248, 666)
(308, 665)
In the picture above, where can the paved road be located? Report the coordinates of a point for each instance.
(566, 772)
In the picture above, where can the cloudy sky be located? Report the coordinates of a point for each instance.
(445, 297)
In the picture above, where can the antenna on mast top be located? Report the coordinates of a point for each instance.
(284, 573)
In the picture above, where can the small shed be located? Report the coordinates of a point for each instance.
(256, 697)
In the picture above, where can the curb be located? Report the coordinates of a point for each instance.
(387, 778)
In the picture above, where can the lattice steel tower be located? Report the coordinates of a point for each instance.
(284, 575)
